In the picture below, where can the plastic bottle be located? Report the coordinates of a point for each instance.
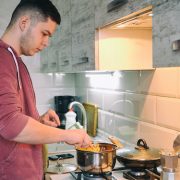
(70, 118)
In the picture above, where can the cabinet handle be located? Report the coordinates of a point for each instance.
(82, 60)
(115, 4)
(176, 45)
(65, 63)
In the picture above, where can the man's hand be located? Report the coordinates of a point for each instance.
(77, 137)
(50, 118)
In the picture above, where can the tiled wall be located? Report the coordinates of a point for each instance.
(48, 85)
(137, 104)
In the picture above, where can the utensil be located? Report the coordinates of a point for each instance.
(97, 162)
(139, 157)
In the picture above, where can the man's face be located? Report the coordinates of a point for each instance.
(36, 37)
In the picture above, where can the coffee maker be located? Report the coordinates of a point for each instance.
(61, 107)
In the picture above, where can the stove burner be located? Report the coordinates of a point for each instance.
(141, 174)
(137, 173)
(137, 176)
(89, 176)
(107, 176)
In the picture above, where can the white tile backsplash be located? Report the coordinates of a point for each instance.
(157, 136)
(113, 101)
(161, 82)
(168, 112)
(64, 80)
(138, 104)
(95, 96)
(129, 81)
(48, 85)
(44, 108)
(178, 83)
(42, 80)
(119, 126)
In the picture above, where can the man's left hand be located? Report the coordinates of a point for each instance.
(50, 118)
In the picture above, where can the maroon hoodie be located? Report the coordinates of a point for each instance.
(17, 102)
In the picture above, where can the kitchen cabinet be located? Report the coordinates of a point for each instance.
(75, 46)
(83, 35)
(64, 36)
(49, 60)
(74, 41)
(57, 57)
(166, 30)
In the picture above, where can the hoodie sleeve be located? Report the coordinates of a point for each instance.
(12, 120)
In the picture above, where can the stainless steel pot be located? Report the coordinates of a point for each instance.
(97, 162)
(139, 157)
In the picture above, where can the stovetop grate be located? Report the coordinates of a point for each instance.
(129, 174)
(80, 176)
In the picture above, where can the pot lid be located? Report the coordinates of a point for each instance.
(141, 152)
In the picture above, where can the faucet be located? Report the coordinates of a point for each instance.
(83, 112)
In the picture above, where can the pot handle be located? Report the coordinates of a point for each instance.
(141, 143)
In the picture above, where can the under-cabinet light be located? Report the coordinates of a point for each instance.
(59, 74)
(89, 75)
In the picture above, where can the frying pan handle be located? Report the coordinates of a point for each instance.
(115, 141)
(142, 143)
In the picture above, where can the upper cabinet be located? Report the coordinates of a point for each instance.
(88, 37)
(83, 34)
(166, 33)
(74, 41)
(64, 37)
(57, 57)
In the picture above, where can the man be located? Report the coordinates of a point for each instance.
(22, 130)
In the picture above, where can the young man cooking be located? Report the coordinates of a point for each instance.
(22, 130)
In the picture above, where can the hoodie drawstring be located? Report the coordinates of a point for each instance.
(17, 67)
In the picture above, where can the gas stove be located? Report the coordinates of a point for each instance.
(125, 174)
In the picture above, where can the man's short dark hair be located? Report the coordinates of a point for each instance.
(40, 10)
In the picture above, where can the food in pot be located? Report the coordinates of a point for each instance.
(93, 162)
(92, 148)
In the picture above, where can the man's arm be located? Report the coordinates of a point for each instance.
(37, 133)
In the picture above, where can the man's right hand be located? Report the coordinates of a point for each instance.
(77, 137)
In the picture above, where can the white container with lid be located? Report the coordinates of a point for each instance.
(70, 118)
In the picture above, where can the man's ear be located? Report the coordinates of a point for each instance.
(24, 22)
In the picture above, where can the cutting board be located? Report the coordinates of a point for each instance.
(92, 118)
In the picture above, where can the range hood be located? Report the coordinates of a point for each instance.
(141, 19)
